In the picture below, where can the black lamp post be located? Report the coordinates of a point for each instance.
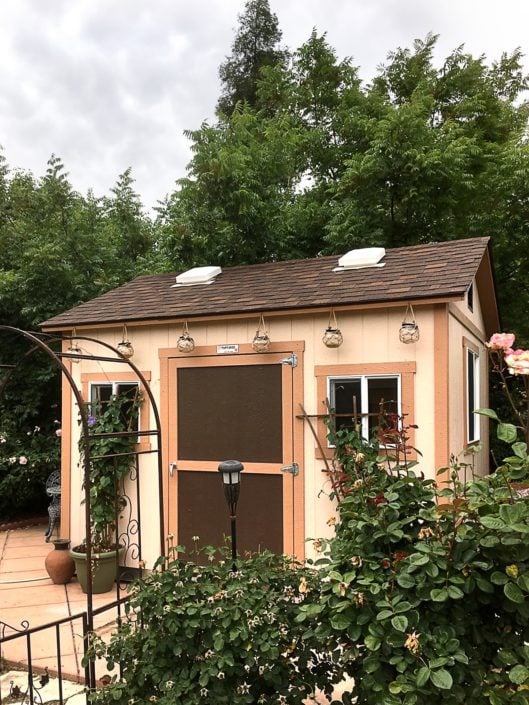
(231, 480)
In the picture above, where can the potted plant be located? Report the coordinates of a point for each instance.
(112, 441)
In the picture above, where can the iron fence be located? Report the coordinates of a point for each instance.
(40, 671)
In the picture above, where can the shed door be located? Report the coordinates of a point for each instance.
(232, 408)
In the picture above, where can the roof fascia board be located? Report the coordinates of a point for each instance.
(487, 294)
(252, 314)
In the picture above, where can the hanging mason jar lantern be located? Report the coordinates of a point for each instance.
(332, 337)
(185, 342)
(409, 330)
(261, 341)
(74, 349)
(125, 348)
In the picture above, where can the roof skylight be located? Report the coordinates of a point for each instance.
(359, 259)
(197, 275)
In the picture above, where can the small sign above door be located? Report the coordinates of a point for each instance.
(227, 349)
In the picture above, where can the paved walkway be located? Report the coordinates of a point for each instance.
(29, 598)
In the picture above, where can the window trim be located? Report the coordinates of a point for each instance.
(406, 372)
(470, 349)
(91, 378)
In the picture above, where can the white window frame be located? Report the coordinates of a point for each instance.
(472, 364)
(364, 379)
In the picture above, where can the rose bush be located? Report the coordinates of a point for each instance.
(207, 635)
(426, 590)
(27, 457)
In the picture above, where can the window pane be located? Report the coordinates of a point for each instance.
(346, 398)
(472, 387)
(100, 393)
(383, 408)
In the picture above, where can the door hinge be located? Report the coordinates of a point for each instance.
(292, 360)
(292, 469)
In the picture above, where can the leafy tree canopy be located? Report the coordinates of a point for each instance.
(321, 162)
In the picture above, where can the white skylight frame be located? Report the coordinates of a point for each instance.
(361, 259)
(197, 275)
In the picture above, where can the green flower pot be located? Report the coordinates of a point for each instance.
(104, 569)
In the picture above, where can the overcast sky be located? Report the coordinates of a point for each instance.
(108, 84)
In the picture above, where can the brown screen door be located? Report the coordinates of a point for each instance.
(236, 407)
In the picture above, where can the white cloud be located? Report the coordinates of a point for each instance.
(107, 84)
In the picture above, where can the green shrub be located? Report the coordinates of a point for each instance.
(27, 457)
(427, 590)
(205, 634)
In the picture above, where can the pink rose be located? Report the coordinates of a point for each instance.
(23, 460)
(501, 341)
(518, 362)
(58, 432)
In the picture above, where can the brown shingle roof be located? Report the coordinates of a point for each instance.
(436, 270)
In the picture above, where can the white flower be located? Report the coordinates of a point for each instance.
(243, 689)
(3, 439)
(36, 429)
(221, 675)
(195, 538)
(203, 692)
(169, 685)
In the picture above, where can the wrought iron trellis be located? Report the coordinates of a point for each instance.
(44, 342)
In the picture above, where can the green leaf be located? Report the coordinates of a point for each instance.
(523, 582)
(419, 559)
(519, 674)
(439, 594)
(513, 593)
(423, 674)
(340, 622)
(400, 623)
(489, 541)
(384, 614)
(520, 449)
(441, 679)
(512, 513)
(372, 642)
(371, 664)
(406, 581)
(492, 522)
(490, 413)
(402, 607)
(507, 432)
(455, 592)
(498, 578)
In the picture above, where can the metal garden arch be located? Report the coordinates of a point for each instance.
(44, 342)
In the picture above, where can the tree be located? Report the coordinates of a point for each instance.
(256, 45)
(322, 163)
(58, 250)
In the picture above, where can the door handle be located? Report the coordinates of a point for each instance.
(172, 468)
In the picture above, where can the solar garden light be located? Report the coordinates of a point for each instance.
(231, 480)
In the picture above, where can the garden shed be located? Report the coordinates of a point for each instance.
(230, 393)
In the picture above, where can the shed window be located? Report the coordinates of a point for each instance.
(100, 395)
(369, 397)
(472, 400)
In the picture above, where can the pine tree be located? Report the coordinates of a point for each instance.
(256, 44)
